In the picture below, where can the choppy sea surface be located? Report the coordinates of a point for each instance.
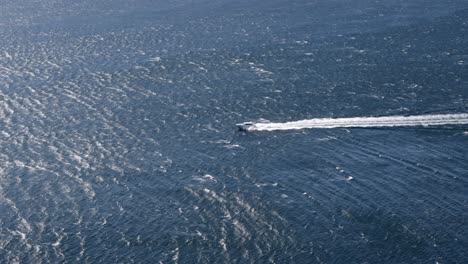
(118, 141)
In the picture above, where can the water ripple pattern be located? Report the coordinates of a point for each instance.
(118, 144)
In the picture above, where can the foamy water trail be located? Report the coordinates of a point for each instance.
(384, 121)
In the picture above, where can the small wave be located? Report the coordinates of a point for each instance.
(356, 122)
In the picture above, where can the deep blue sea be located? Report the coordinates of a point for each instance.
(118, 141)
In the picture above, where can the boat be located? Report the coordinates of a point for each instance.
(246, 126)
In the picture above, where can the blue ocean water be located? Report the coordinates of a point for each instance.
(118, 141)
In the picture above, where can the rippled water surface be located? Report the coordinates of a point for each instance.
(118, 141)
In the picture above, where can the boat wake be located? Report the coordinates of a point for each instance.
(356, 122)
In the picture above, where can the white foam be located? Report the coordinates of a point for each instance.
(384, 121)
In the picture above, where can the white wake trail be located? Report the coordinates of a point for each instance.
(384, 121)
